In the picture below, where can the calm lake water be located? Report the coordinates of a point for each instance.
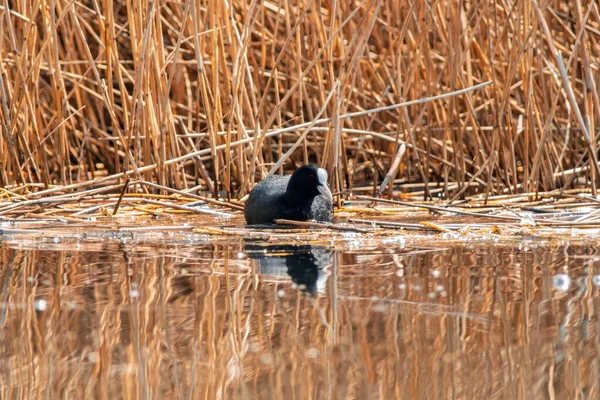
(176, 314)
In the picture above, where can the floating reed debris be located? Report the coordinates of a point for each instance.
(322, 225)
(393, 224)
(439, 209)
(148, 215)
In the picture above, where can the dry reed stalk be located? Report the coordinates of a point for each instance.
(394, 225)
(440, 209)
(310, 224)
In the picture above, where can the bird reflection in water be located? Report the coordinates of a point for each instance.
(305, 264)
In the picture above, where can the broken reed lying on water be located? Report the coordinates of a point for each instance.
(506, 214)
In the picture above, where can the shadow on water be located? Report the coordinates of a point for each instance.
(391, 318)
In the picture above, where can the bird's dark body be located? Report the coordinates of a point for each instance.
(269, 201)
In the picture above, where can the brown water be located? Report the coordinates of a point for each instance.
(170, 314)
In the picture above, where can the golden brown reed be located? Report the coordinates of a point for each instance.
(175, 320)
(195, 93)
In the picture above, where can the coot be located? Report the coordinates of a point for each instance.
(302, 196)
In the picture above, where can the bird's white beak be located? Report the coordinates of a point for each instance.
(324, 190)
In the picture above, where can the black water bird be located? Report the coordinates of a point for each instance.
(302, 196)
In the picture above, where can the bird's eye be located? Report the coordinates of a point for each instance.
(312, 175)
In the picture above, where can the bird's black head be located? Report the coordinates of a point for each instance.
(307, 182)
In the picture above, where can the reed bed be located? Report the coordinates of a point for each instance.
(212, 95)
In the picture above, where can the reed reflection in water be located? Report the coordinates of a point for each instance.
(107, 319)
